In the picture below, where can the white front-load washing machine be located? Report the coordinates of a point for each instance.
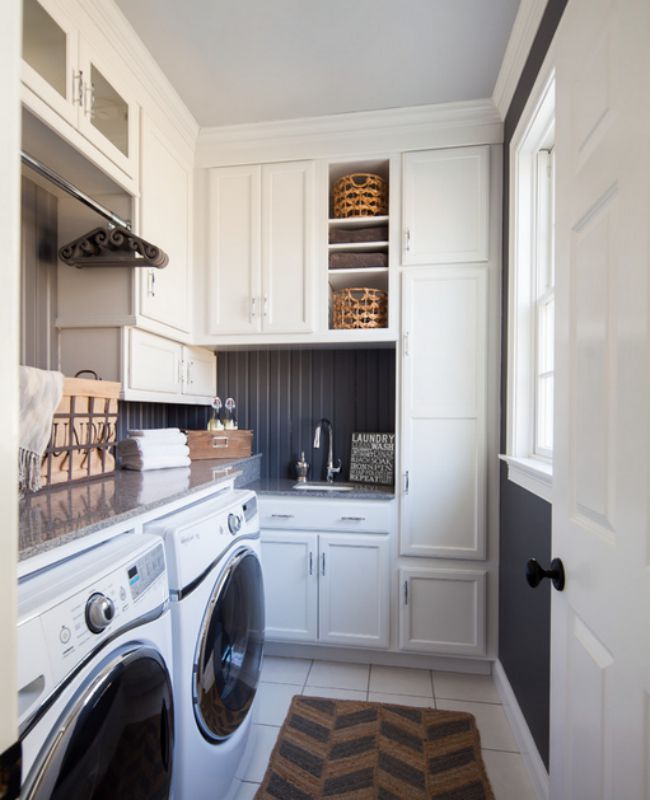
(217, 605)
(95, 698)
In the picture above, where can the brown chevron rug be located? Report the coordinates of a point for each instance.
(356, 750)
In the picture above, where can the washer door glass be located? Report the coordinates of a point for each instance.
(229, 650)
(115, 739)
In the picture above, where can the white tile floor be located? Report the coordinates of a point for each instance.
(282, 678)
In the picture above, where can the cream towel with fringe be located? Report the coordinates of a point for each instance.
(40, 394)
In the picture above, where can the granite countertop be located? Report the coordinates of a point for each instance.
(284, 487)
(57, 516)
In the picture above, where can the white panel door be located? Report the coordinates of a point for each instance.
(166, 205)
(289, 562)
(442, 611)
(234, 250)
(600, 654)
(200, 371)
(154, 363)
(445, 202)
(287, 247)
(354, 590)
(443, 502)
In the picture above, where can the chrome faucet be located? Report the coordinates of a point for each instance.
(331, 469)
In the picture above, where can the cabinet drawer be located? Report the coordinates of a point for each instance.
(375, 516)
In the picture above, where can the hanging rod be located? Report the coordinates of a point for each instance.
(72, 190)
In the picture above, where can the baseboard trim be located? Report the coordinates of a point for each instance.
(386, 658)
(526, 743)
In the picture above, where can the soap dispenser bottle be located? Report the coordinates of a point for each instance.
(302, 468)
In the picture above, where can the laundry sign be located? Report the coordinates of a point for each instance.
(373, 458)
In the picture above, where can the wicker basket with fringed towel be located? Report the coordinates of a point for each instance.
(359, 308)
(84, 432)
(361, 194)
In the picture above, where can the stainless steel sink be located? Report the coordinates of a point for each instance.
(317, 486)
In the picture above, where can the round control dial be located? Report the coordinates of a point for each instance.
(100, 611)
(234, 523)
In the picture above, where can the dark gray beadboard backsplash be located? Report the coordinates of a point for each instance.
(281, 395)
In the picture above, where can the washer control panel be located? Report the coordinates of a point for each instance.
(79, 623)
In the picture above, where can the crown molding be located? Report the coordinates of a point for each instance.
(413, 127)
(524, 30)
(112, 23)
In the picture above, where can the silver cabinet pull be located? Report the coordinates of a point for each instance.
(217, 439)
(151, 283)
(406, 482)
(323, 565)
(253, 307)
(406, 593)
(405, 340)
(311, 563)
(282, 516)
(353, 519)
(407, 240)
(265, 306)
(190, 379)
(78, 88)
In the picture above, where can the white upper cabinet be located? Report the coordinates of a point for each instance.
(165, 209)
(287, 242)
(444, 325)
(234, 250)
(261, 249)
(109, 117)
(199, 371)
(78, 82)
(445, 202)
(50, 57)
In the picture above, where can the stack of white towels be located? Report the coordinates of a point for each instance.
(154, 449)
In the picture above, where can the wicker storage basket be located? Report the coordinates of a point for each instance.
(359, 308)
(361, 194)
(84, 432)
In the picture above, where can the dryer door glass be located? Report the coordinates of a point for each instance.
(229, 649)
(115, 738)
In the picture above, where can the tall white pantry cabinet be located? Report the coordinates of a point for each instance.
(448, 390)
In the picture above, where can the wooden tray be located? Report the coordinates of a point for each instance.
(219, 444)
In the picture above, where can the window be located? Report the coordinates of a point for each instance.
(531, 313)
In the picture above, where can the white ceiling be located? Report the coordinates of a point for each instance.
(237, 61)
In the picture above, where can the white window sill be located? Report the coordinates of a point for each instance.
(532, 474)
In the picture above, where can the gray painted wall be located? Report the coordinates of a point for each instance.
(281, 395)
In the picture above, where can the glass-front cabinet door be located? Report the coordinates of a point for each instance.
(50, 57)
(109, 116)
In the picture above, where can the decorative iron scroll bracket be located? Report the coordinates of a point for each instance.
(118, 247)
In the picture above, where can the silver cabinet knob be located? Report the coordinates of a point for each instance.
(100, 611)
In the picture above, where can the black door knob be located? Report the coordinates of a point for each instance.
(535, 574)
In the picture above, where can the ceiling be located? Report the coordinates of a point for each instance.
(241, 61)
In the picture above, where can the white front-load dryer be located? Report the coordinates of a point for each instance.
(217, 605)
(96, 715)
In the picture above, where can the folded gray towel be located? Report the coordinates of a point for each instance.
(351, 235)
(357, 260)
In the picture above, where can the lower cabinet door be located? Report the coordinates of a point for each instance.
(154, 363)
(289, 564)
(354, 590)
(442, 611)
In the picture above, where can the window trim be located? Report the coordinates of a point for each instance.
(531, 471)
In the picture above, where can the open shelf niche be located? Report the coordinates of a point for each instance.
(364, 239)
